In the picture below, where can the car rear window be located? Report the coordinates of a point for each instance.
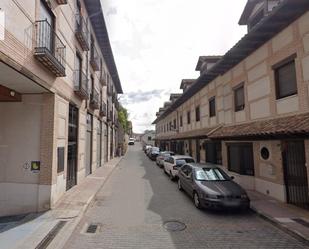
(211, 174)
(182, 161)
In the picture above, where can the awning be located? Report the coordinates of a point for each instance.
(201, 133)
(283, 127)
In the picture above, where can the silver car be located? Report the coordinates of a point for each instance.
(210, 186)
(162, 156)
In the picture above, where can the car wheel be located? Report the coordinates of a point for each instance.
(179, 185)
(196, 200)
(171, 176)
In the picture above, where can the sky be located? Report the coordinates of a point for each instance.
(156, 44)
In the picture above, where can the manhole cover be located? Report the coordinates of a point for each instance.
(174, 226)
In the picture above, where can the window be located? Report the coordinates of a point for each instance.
(285, 77)
(60, 159)
(91, 47)
(91, 86)
(180, 121)
(197, 114)
(239, 98)
(170, 126)
(240, 158)
(213, 152)
(211, 174)
(212, 107)
(174, 124)
(188, 117)
(265, 153)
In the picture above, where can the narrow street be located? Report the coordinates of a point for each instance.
(139, 198)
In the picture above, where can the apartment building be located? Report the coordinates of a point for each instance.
(58, 94)
(249, 109)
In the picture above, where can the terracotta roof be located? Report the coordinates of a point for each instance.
(278, 127)
(201, 133)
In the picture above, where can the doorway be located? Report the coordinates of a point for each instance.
(197, 150)
(295, 173)
(72, 147)
(89, 145)
(99, 144)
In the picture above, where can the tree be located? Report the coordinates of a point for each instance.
(123, 116)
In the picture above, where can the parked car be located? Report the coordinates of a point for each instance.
(131, 141)
(210, 186)
(153, 153)
(146, 148)
(162, 156)
(173, 163)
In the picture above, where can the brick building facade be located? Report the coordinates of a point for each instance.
(249, 109)
(58, 93)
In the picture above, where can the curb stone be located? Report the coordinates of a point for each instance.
(281, 226)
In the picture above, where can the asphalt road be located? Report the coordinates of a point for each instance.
(139, 198)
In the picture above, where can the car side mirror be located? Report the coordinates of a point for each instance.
(232, 177)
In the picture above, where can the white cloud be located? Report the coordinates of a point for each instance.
(156, 43)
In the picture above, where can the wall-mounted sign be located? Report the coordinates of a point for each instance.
(35, 166)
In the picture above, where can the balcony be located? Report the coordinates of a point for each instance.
(81, 84)
(117, 105)
(109, 116)
(109, 90)
(103, 78)
(117, 123)
(94, 59)
(62, 1)
(48, 48)
(95, 99)
(114, 97)
(82, 32)
(103, 110)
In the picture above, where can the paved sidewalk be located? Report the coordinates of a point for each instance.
(289, 218)
(68, 211)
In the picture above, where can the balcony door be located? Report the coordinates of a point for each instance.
(89, 144)
(79, 64)
(295, 173)
(46, 28)
(72, 147)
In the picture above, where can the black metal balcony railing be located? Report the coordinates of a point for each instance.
(95, 99)
(117, 105)
(116, 122)
(82, 32)
(103, 109)
(103, 77)
(62, 1)
(94, 59)
(109, 90)
(109, 116)
(48, 48)
(114, 97)
(81, 84)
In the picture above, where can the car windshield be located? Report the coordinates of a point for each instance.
(155, 149)
(182, 161)
(211, 174)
